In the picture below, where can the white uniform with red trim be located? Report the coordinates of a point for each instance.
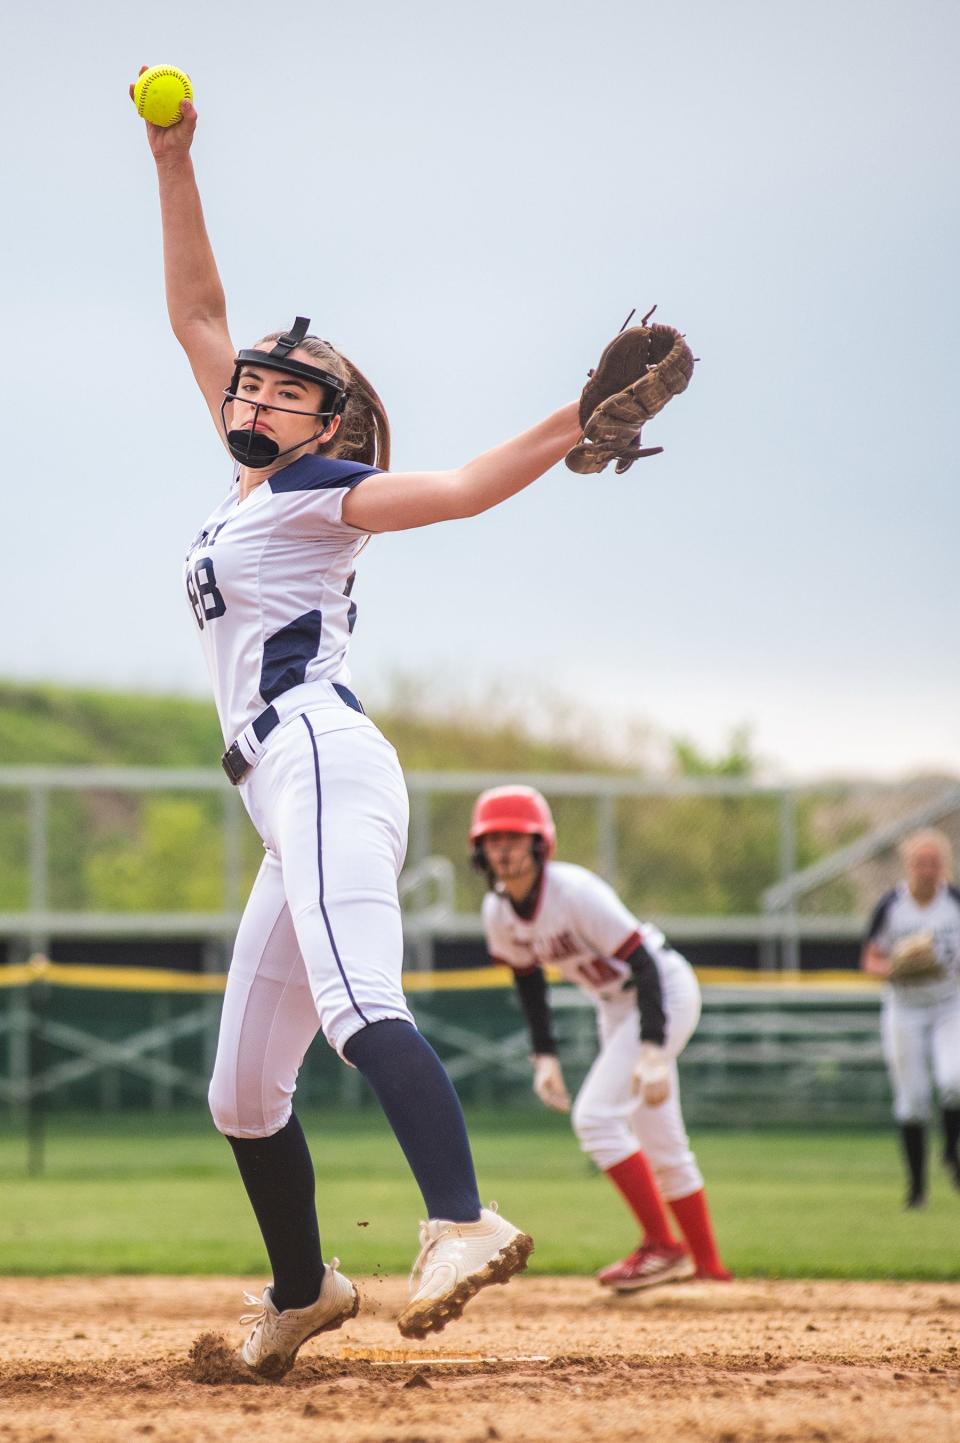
(320, 944)
(582, 928)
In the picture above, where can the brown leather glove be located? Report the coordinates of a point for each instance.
(914, 959)
(639, 372)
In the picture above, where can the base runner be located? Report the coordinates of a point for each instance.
(627, 1114)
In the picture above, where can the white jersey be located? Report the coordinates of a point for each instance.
(581, 927)
(898, 915)
(269, 581)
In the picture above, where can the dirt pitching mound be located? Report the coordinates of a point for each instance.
(212, 1359)
(103, 1360)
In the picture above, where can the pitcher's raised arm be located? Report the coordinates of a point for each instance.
(195, 300)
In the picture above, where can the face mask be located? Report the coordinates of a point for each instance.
(254, 448)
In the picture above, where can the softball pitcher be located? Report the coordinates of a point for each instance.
(627, 1114)
(914, 942)
(269, 580)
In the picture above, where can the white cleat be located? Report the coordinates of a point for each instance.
(456, 1260)
(271, 1349)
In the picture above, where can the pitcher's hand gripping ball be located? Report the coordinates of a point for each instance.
(640, 371)
(157, 94)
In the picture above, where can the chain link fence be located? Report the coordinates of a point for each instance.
(121, 852)
(105, 862)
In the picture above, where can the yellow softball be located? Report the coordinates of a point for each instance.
(158, 93)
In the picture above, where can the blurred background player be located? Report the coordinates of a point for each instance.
(918, 922)
(627, 1114)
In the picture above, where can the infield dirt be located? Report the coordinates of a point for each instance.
(93, 1360)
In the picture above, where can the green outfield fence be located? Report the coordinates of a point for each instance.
(114, 865)
(768, 1051)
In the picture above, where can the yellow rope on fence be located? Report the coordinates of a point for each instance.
(167, 979)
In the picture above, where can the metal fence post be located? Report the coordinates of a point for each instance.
(607, 838)
(37, 997)
(18, 1057)
(39, 867)
(790, 940)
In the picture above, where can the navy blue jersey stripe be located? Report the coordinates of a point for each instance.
(880, 913)
(323, 908)
(288, 653)
(318, 473)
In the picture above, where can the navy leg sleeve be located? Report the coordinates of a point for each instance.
(423, 1109)
(278, 1175)
(913, 1137)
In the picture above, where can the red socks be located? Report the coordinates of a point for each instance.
(694, 1219)
(635, 1180)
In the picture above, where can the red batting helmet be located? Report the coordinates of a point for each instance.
(514, 809)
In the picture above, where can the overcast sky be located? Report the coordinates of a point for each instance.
(468, 199)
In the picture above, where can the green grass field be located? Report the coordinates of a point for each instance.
(151, 1194)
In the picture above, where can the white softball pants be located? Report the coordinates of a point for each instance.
(320, 944)
(609, 1120)
(921, 1045)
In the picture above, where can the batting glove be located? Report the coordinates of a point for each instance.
(651, 1076)
(548, 1083)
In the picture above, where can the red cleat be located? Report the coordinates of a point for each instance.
(647, 1267)
(713, 1275)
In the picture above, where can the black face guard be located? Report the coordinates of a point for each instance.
(479, 858)
(248, 445)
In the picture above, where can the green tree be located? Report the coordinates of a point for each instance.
(174, 863)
